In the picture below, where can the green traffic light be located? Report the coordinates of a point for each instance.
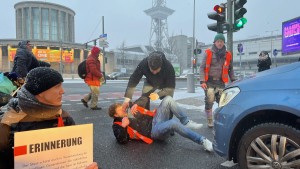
(240, 23)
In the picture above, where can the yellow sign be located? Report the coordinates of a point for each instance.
(47, 55)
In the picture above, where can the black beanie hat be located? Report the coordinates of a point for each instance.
(41, 79)
(155, 60)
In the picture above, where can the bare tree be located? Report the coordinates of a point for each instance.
(122, 52)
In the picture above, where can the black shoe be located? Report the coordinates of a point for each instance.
(84, 103)
(96, 108)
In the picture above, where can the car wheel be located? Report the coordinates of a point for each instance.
(270, 145)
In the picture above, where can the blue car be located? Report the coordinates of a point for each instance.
(257, 123)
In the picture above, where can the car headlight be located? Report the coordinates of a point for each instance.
(228, 95)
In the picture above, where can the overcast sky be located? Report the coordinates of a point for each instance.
(125, 20)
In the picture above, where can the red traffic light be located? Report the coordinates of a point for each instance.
(219, 9)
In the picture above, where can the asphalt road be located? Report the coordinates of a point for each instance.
(175, 153)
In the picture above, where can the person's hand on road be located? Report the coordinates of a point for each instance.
(125, 122)
(154, 96)
(204, 86)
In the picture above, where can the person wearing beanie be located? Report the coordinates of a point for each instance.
(159, 74)
(215, 71)
(38, 106)
(92, 79)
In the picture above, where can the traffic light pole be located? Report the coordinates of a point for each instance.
(230, 31)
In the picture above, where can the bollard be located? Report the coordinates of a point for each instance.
(190, 83)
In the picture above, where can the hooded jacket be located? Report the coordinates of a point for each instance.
(93, 71)
(164, 80)
(26, 113)
(24, 60)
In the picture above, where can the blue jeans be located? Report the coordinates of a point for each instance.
(162, 125)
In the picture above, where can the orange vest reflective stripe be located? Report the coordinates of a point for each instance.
(146, 112)
(133, 134)
(225, 65)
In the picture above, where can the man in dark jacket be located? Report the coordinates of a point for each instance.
(38, 106)
(24, 59)
(92, 79)
(156, 125)
(159, 74)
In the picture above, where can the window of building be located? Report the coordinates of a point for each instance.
(54, 25)
(62, 26)
(4, 50)
(76, 53)
(41, 47)
(36, 23)
(27, 24)
(71, 22)
(45, 23)
(19, 23)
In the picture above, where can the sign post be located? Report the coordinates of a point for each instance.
(240, 50)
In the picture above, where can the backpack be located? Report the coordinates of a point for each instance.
(82, 69)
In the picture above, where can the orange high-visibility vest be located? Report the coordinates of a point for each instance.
(133, 134)
(225, 65)
(146, 112)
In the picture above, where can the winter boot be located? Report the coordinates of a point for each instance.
(210, 123)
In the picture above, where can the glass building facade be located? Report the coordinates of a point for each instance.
(44, 21)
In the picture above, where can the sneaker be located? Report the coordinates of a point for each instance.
(96, 108)
(193, 125)
(207, 145)
(84, 103)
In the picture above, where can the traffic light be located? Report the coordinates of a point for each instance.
(95, 42)
(239, 12)
(194, 62)
(219, 15)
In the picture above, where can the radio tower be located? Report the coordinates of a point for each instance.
(159, 26)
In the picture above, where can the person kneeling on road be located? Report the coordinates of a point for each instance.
(156, 125)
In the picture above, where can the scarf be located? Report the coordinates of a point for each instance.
(220, 53)
(32, 107)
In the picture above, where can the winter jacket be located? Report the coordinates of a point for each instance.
(93, 71)
(24, 60)
(264, 63)
(216, 66)
(142, 125)
(164, 80)
(16, 119)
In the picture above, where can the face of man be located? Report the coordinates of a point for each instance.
(52, 96)
(29, 46)
(219, 44)
(120, 112)
(155, 71)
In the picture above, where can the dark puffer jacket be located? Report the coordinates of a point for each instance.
(164, 80)
(16, 120)
(24, 60)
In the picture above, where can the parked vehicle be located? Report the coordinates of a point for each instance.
(116, 75)
(257, 123)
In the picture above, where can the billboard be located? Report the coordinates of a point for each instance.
(47, 55)
(291, 36)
